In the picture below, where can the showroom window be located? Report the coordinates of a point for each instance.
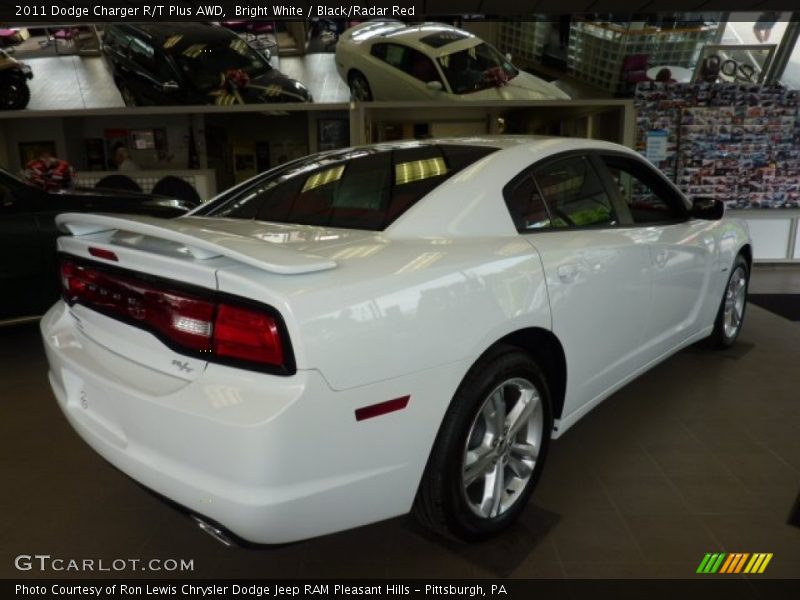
(574, 194)
(361, 189)
(408, 60)
(649, 199)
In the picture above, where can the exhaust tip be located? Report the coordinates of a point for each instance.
(215, 532)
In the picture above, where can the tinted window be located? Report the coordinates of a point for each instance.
(526, 206)
(142, 54)
(356, 189)
(477, 68)
(204, 63)
(115, 38)
(408, 60)
(574, 194)
(650, 200)
(442, 38)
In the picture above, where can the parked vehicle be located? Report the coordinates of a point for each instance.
(28, 262)
(14, 75)
(192, 63)
(394, 61)
(381, 329)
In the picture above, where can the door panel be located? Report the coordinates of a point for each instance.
(599, 287)
(684, 256)
(598, 273)
(682, 251)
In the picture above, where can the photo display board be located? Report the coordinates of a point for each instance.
(740, 144)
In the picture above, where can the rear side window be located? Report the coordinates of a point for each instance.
(526, 206)
(574, 194)
(408, 60)
(353, 189)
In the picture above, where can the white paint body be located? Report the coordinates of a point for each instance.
(372, 316)
(353, 53)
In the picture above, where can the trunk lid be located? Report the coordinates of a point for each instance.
(186, 255)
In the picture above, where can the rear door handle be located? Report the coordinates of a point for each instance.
(661, 259)
(567, 273)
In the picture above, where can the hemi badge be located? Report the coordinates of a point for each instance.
(102, 253)
(376, 410)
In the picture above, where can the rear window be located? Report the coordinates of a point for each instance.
(353, 189)
(442, 38)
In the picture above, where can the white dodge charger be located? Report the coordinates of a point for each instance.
(389, 60)
(366, 332)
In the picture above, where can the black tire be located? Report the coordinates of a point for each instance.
(128, 97)
(15, 94)
(443, 501)
(723, 337)
(359, 87)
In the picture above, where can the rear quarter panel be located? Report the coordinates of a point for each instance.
(402, 307)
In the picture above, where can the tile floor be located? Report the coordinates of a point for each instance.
(701, 454)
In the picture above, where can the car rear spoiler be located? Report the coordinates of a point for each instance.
(200, 242)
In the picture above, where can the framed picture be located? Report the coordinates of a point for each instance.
(28, 151)
(732, 63)
(333, 134)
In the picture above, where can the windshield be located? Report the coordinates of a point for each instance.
(365, 188)
(205, 65)
(477, 68)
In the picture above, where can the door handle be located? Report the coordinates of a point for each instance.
(661, 259)
(567, 273)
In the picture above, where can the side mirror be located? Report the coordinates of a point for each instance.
(435, 86)
(170, 86)
(708, 209)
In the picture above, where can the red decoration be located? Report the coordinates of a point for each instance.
(496, 76)
(234, 79)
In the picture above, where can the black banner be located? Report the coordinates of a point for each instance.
(88, 11)
(713, 588)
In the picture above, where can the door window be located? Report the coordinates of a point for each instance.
(142, 54)
(574, 194)
(408, 60)
(648, 197)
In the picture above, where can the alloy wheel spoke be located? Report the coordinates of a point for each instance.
(481, 464)
(498, 487)
(520, 469)
(527, 451)
(523, 411)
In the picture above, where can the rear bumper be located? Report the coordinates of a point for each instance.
(273, 459)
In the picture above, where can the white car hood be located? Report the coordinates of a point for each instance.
(522, 87)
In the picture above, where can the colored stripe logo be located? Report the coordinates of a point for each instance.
(735, 562)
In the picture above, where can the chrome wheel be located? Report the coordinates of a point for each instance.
(734, 302)
(502, 447)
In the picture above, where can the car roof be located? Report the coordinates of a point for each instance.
(471, 202)
(159, 33)
(431, 38)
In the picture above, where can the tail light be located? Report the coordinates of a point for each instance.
(190, 321)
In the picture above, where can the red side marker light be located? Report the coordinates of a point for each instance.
(103, 253)
(376, 410)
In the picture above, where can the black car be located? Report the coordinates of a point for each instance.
(192, 63)
(28, 266)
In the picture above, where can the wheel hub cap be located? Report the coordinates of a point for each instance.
(502, 447)
(735, 297)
